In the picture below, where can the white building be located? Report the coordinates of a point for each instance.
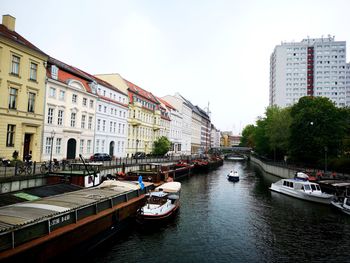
(215, 137)
(181, 105)
(175, 131)
(312, 67)
(69, 122)
(111, 120)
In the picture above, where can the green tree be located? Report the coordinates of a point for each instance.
(248, 136)
(161, 146)
(317, 127)
(277, 130)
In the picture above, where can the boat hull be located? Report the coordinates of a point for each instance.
(325, 199)
(149, 219)
(340, 207)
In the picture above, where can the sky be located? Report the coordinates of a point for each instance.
(213, 52)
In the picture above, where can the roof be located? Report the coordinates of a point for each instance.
(14, 36)
(69, 68)
(136, 89)
(167, 104)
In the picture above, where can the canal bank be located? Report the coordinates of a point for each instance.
(273, 169)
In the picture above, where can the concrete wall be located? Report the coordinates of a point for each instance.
(16, 185)
(279, 171)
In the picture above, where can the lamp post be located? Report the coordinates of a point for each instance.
(325, 159)
(137, 144)
(52, 136)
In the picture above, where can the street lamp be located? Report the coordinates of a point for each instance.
(325, 159)
(52, 136)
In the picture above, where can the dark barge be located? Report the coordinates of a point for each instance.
(47, 228)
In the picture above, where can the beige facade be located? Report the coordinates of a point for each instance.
(22, 92)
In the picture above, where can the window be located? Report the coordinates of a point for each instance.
(58, 145)
(60, 117)
(98, 124)
(84, 102)
(33, 71)
(83, 117)
(50, 115)
(13, 99)
(99, 107)
(48, 145)
(74, 98)
(82, 146)
(31, 101)
(52, 92)
(90, 123)
(88, 146)
(103, 145)
(54, 72)
(105, 109)
(91, 103)
(72, 119)
(10, 140)
(110, 126)
(119, 128)
(62, 94)
(104, 125)
(15, 65)
(114, 126)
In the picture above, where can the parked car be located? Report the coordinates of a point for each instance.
(139, 155)
(100, 157)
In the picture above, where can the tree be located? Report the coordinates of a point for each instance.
(248, 136)
(277, 130)
(161, 146)
(317, 127)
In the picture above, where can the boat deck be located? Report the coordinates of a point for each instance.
(24, 221)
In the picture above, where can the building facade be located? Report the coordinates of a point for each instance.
(175, 131)
(184, 108)
(69, 124)
(312, 67)
(111, 129)
(215, 137)
(22, 89)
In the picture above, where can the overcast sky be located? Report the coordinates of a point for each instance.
(213, 52)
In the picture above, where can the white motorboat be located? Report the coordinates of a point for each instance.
(342, 204)
(302, 189)
(162, 203)
(233, 176)
(342, 198)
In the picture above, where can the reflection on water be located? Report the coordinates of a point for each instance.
(222, 221)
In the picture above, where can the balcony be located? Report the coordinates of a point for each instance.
(135, 122)
(156, 127)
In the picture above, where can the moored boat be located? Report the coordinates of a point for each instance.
(233, 176)
(162, 203)
(302, 189)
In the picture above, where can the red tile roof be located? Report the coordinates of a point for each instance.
(167, 104)
(14, 36)
(147, 95)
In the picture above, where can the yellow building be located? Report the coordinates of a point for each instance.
(144, 122)
(22, 93)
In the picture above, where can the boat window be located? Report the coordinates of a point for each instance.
(307, 187)
(318, 187)
(284, 182)
(291, 184)
(313, 187)
(347, 201)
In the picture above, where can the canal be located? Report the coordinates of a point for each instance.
(222, 221)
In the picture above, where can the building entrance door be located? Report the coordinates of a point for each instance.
(26, 146)
(111, 149)
(71, 148)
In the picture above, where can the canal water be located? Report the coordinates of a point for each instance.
(222, 221)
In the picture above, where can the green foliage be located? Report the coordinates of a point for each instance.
(161, 146)
(317, 126)
(248, 136)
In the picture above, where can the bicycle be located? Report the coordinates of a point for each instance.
(47, 166)
(26, 167)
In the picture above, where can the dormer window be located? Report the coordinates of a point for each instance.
(54, 72)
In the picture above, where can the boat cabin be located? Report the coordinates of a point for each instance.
(306, 186)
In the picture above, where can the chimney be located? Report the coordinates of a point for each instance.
(9, 22)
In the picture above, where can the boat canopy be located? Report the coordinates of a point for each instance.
(127, 185)
(170, 187)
